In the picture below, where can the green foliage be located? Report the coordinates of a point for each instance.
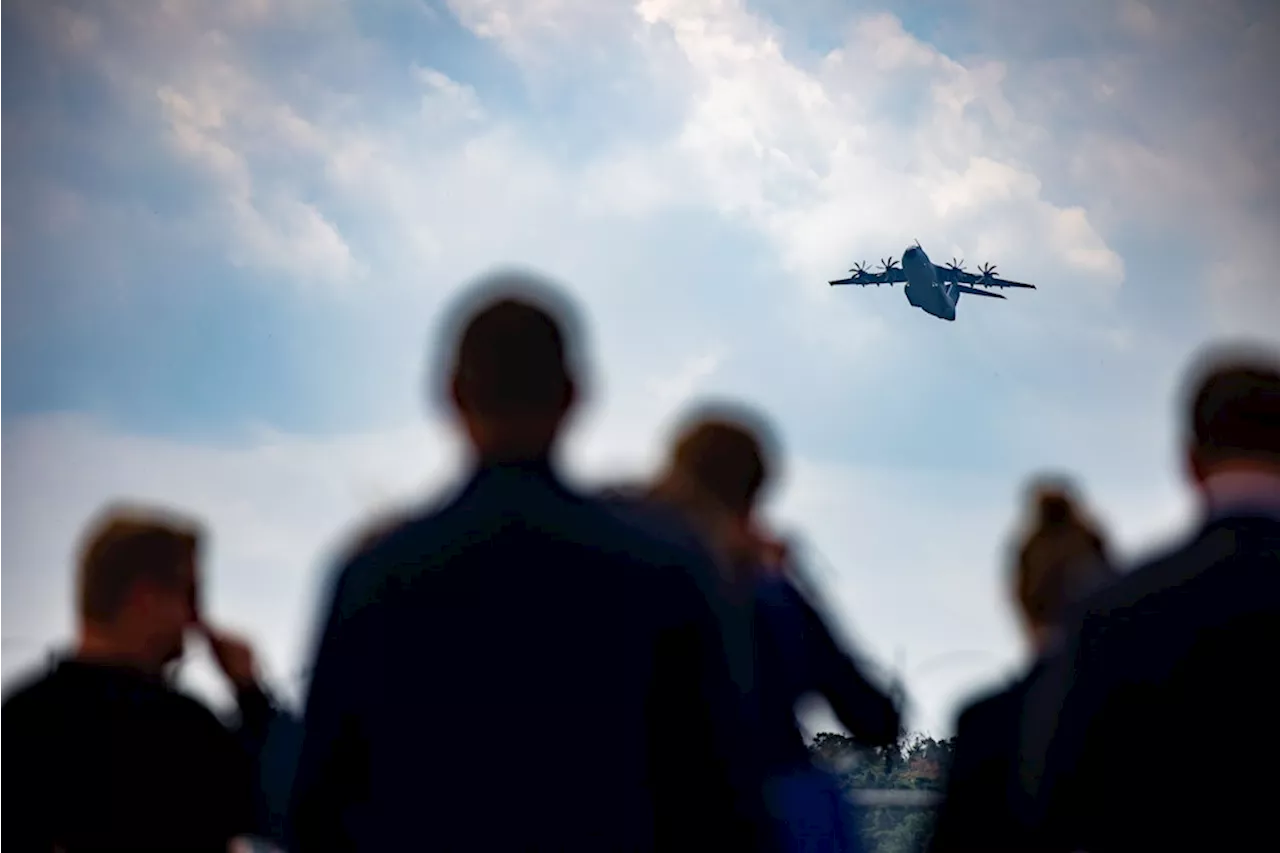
(918, 763)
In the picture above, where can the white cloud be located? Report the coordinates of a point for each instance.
(808, 157)
(291, 236)
(1177, 150)
(821, 159)
(269, 227)
(983, 181)
(537, 33)
(828, 160)
(446, 98)
(1081, 246)
(677, 389)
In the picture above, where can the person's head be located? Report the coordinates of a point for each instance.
(719, 466)
(1059, 559)
(511, 380)
(1233, 414)
(138, 584)
(725, 451)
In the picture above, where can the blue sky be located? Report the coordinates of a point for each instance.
(230, 230)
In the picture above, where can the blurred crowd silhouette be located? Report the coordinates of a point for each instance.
(651, 642)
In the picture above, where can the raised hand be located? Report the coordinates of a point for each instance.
(234, 656)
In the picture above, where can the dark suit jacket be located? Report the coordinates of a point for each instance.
(102, 757)
(521, 669)
(1165, 699)
(984, 808)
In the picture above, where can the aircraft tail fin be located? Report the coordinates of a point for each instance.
(964, 288)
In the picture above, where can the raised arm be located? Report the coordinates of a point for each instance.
(868, 713)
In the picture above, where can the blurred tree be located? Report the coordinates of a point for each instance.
(919, 762)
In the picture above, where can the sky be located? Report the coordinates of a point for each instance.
(231, 230)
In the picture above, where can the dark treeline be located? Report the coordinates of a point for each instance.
(917, 763)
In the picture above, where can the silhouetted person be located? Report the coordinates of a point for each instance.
(518, 668)
(1165, 690)
(101, 752)
(717, 472)
(1059, 561)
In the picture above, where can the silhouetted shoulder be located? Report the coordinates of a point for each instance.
(380, 544)
(1218, 560)
(34, 694)
(81, 688)
(1193, 603)
(29, 691)
(541, 514)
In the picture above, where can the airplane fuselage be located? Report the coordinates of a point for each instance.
(923, 289)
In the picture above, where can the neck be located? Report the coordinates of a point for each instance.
(530, 440)
(512, 455)
(1242, 488)
(98, 645)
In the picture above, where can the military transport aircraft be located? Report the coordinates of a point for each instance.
(931, 288)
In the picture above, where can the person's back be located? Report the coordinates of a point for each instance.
(101, 757)
(521, 668)
(1171, 666)
(1168, 666)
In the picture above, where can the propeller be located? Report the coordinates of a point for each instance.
(859, 269)
(887, 265)
(956, 268)
(988, 270)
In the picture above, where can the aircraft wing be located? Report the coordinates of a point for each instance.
(947, 274)
(964, 288)
(893, 276)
